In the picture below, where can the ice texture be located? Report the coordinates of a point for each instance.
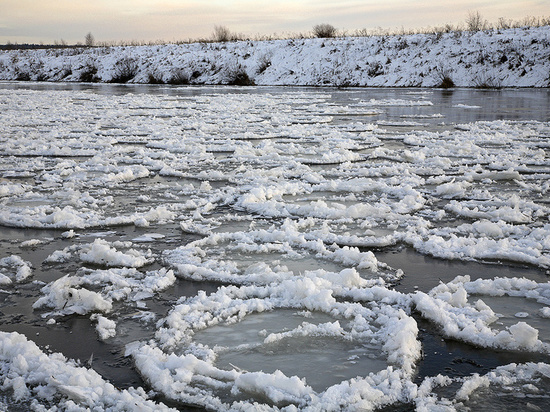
(280, 201)
(14, 269)
(176, 365)
(52, 381)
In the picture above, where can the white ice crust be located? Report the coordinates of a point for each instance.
(13, 269)
(176, 365)
(73, 294)
(283, 215)
(53, 381)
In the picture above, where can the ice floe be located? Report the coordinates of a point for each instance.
(41, 381)
(179, 365)
(75, 294)
(14, 269)
(280, 203)
(476, 322)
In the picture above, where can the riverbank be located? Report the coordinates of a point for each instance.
(517, 57)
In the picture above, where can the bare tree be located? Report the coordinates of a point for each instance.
(475, 22)
(324, 30)
(89, 40)
(504, 23)
(221, 34)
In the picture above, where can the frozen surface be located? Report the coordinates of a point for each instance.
(273, 248)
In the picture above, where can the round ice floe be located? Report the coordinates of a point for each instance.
(342, 198)
(512, 210)
(485, 240)
(452, 189)
(266, 255)
(8, 189)
(69, 217)
(259, 345)
(485, 312)
(104, 253)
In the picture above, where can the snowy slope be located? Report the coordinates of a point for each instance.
(498, 58)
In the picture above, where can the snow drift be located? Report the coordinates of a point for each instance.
(517, 57)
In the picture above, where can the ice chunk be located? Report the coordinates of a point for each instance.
(102, 253)
(70, 294)
(447, 305)
(106, 328)
(174, 362)
(14, 269)
(52, 381)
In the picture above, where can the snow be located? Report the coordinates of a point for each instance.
(106, 328)
(508, 58)
(448, 306)
(72, 294)
(52, 381)
(513, 385)
(14, 269)
(100, 252)
(160, 364)
(282, 202)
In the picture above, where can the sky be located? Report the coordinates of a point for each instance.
(40, 21)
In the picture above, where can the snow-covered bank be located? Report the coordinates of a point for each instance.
(495, 58)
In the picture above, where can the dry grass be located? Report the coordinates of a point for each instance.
(473, 22)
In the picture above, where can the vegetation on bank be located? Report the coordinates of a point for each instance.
(477, 57)
(474, 22)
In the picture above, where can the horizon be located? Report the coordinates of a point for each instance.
(25, 22)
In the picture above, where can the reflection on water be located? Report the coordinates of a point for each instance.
(455, 105)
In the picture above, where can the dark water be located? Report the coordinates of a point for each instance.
(75, 336)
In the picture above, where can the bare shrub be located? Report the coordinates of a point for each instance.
(448, 28)
(89, 40)
(264, 63)
(401, 44)
(375, 69)
(155, 78)
(475, 22)
(126, 70)
(444, 78)
(237, 76)
(221, 34)
(21, 75)
(483, 81)
(179, 76)
(324, 30)
(504, 23)
(65, 72)
(88, 74)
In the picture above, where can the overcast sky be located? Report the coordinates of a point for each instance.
(35, 21)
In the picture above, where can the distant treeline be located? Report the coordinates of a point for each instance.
(26, 46)
(474, 22)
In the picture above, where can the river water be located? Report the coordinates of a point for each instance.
(161, 209)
